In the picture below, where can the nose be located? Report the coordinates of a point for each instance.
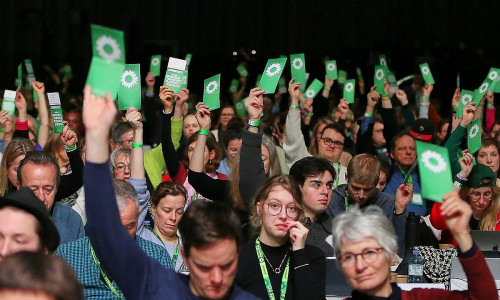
(361, 194)
(488, 159)
(360, 263)
(4, 249)
(283, 213)
(216, 276)
(172, 216)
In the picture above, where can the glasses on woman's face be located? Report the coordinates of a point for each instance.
(369, 256)
(329, 142)
(275, 208)
(120, 167)
(476, 196)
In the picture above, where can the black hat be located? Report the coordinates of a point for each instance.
(422, 129)
(26, 200)
(481, 176)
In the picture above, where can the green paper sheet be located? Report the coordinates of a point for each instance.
(298, 69)
(242, 70)
(271, 75)
(378, 78)
(434, 167)
(104, 76)
(108, 43)
(465, 97)
(313, 89)
(129, 92)
(56, 112)
(349, 88)
(331, 69)
(211, 92)
(426, 73)
(155, 64)
(474, 136)
(8, 103)
(174, 74)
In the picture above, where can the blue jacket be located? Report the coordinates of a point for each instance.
(68, 223)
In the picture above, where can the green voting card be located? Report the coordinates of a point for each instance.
(68, 71)
(242, 70)
(233, 88)
(211, 92)
(272, 74)
(8, 104)
(298, 69)
(378, 78)
(188, 59)
(349, 90)
(313, 89)
(184, 79)
(465, 97)
(474, 136)
(331, 69)
(382, 60)
(104, 76)
(56, 112)
(19, 79)
(359, 74)
(494, 75)
(240, 108)
(155, 64)
(108, 44)
(174, 74)
(342, 77)
(129, 92)
(391, 78)
(483, 88)
(30, 70)
(426, 73)
(434, 167)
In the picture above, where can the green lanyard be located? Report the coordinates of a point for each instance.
(338, 176)
(118, 294)
(176, 251)
(410, 179)
(267, 281)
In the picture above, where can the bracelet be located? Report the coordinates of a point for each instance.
(457, 184)
(254, 123)
(368, 115)
(454, 108)
(490, 105)
(309, 114)
(294, 106)
(460, 177)
(70, 148)
(1, 130)
(385, 98)
(137, 145)
(426, 97)
(326, 88)
(203, 132)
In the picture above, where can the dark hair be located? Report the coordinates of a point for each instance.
(310, 166)
(204, 223)
(232, 134)
(397, 137)
(118, 130)
(38, 272)
(212, 144)
(167, 188)
(39, 158)
(335, 127)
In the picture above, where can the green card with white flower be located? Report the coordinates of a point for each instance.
(313, 89)
(465, 97)
(426, 73)
(483, 88)
(104, 76)
(342, 78)
(211, 92)
(474, 136)
(494, 75)
(331, 69)
(175, 73)
(298, 69)
(8, 103)
(240, 108)
(349, 90)
(155, 64)
(272, 74)
(56, 112)
(378, 78)
(382, 60)
(108, 43)
(233, 88)
(129, 93)
(242, 70)
(434, 166)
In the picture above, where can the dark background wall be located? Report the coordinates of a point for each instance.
(453, 36)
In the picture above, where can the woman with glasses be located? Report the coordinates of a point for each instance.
(278, 264)
(365, 246)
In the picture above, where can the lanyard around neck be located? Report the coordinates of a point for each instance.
(338, 176)
(176, 251)
(118, 294)
(267, 281)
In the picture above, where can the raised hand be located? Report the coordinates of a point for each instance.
(456, 98)
(466, 163)
(458, 213)
(68, 136)
(134, 118)
(373, 97)
(403, 197)
(328, 82)
(98, 113)
(343, 108)
(401, 95)
(294, 90)
(427, 90)
(183, 96)
(254, 104)
(38, 87)
(167, 98)
(20, 101)
(203, 116)
(468, 114)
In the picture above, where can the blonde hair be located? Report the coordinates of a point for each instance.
(489, 215)
(16, 147)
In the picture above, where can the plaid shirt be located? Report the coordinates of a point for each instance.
(78, 255)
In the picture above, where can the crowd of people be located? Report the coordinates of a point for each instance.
(175, 201)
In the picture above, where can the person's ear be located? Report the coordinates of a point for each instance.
(393, 258)
(212, 154)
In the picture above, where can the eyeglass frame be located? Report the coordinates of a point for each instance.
(281, 209)
(481, 195)
(336, 144)
(120, 167)
(344, 263)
